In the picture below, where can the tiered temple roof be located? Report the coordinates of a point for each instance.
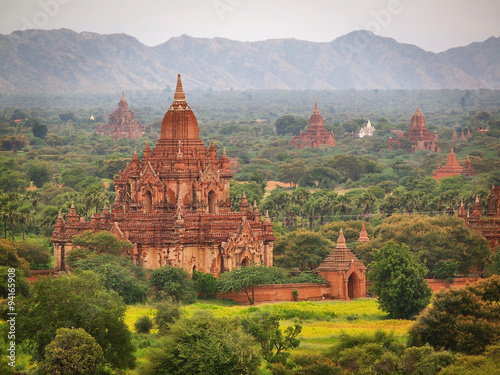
(122, 123)
(452, 168)
(174, 206)
(345, 273)
(315, 135)
(418, 134)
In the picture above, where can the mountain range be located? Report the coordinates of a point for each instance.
(64, 61)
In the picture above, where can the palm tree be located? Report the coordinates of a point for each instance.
(366, 200)
(4, 199)
(25, 214)
(12, 208)
(342, 204)
(34, 196)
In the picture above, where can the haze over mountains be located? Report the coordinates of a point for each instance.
(63, 61)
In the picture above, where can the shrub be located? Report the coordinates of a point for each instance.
(462, 320)
(205, 284)
(203, 344)
(174, 282)
(167, 312)
(143, 324)
(73, 352)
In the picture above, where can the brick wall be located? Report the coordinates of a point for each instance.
(282, 292)
(458, 282)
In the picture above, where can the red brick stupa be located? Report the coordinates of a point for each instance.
(315, 135)
(418, 134)
(452, 168)
(345, 273)
(174, 206)
(121, 123)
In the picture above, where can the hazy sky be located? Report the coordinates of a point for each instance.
(434, 25)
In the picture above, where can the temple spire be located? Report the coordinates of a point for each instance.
(341, 239)
(316, 107)
(179, 96)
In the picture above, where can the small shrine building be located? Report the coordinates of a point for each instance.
(345, 273)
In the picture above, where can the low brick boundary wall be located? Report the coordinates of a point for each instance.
(457, 282)
(282, 293)
(35, 274)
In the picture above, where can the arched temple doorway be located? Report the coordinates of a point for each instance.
(353, 286)
(246, 262)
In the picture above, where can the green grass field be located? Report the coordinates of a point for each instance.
(322, 322)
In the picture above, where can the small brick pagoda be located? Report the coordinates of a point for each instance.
(452, 168)
(315, 135)
(489, 225)
(174, 206)
(121, 123)
(418, 134)
(345, 273)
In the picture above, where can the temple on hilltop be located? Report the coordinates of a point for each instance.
(173, 206)
(418, 135)
(315, 134)
(345, 273)
(368, 130)
(489, 225)
(121, 123)
(452, 168)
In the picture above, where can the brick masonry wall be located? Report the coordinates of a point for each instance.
(282, 292)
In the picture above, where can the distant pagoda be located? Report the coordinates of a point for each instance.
(315, 135)
(452, 168)
(368, 130)
(121, 123)
(418, 134)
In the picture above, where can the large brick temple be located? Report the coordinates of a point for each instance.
(418, 135)
(121, 123)
(315, 135)
(174, 206)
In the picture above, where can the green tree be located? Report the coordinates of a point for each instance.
(244, 279)
(290, 124)
(144, 324)
(79, 301)
(167, 312)
(398, 279)
(34, 253)
(301, 249)
(73, 352)
(102, 242)
(174, 282)
(39, 130)
(265, 328)
(462, 320)
(439, 239)
(205, 284)
(205, 345)
(38, 172)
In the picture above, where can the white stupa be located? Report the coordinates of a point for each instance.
(367, 130)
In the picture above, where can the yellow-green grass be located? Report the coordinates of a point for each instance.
(322, 322)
